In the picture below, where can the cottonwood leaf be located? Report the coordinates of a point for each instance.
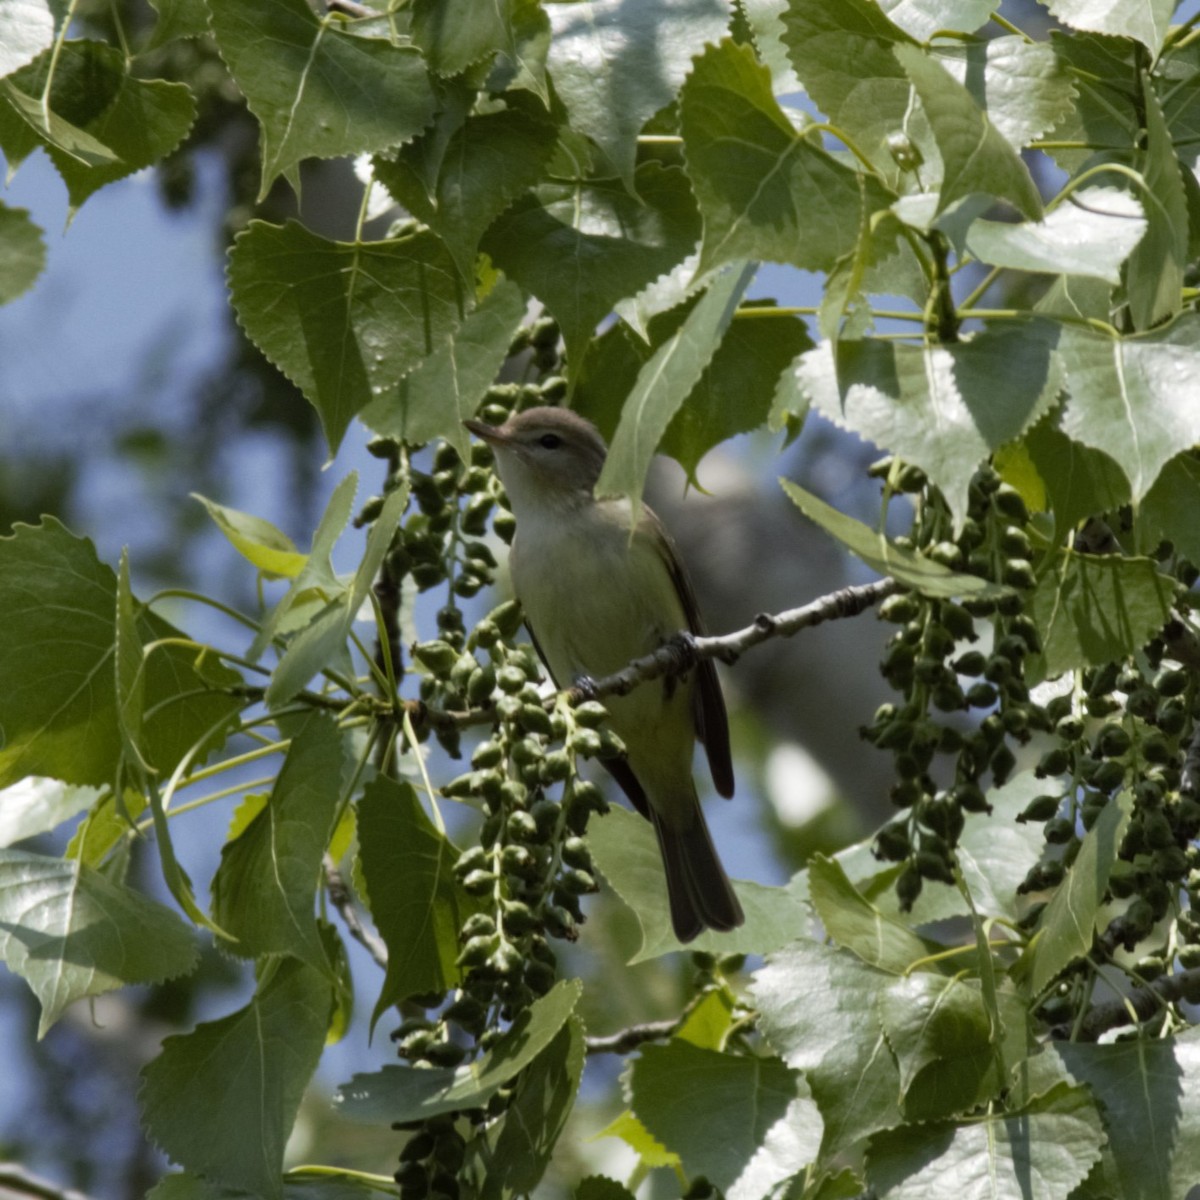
(1093, 609)
(318, 90)
(455, 34)
(944, 407)
(975, 156)
(323, 639)
(36, 805)
(626, 853)
(1154, 276)
(58, 708)
(178, 19)
(343, 320)
(1146, 22)
(562, 234)
(24, 251)
(1024, 87)
(26, 29)
(1080, 482)
(257, 540)
(297, 1185)
(511, 1157)
(221, 1100)
(765, 191)
(615, 65)
(818, 1007)
(854, 923)
(924, 18)
(415, 1093)
(765, 18)
(265, 889)
(599, 1187)
(663, 384)
(1067, 928)
(1042, 1152)
(449, 385)
(486, 164)
(70, 932)
(1146, 1091)
(417, 902)
(1092, 233)
(906, 566)
(843, 55)
(1168, 511)
(745, 1123)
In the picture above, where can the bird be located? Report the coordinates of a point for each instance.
(600, 588)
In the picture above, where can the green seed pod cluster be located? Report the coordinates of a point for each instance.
(431, 1159)
(962, 706)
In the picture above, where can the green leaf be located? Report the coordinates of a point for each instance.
(35, 805)
(1079, 481)
(1146, 1091)
(456, 34)
(765, 191)
(129, 670)
(943, 407)
(745, 1123)
(852, 922)
(664, 383)
(265, 889)
(178, 19)
(615, 65)
(765, 18)
(24, 249)
(460, 186)
(1040, 1153)
(910, 569)
(1094, 609)
(598, 1187)
(1068, 925)
(69, 932)
(940, 1030)
(1024, 87)
(328, 1184)
(1092, 234)
(58, 708)
(1168, 511)
(418, 904)
(595, 231)
(344, 321)
(221, 1100)
(415, 1093)
(924, 18)
(511, 1157)
(321, 641)
(735, 393)
(317, 576)
(843, 55)
(624, 849)
(317, 90)
(819, 1009)
(1146, 22)
(1154, 277)
(26, 29)
(104, 827)
(257, 540)
(449, 385)
(975, 156)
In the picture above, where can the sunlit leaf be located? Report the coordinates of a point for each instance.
(24, 252)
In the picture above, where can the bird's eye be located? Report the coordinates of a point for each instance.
(550, 441)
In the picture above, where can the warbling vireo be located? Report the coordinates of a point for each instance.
(596, 598)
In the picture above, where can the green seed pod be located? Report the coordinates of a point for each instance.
(948, 697)
(511, 679)
(908, 887)
(579, 883)
(487, 754)
(559, 923)
(1018, 573)
(519, 918)
(479, 883)
(1156, 749)
(892, 843)
(438, 656)
(507, 960)
(470, 860)
(477, 951)
(517, 860)
(504, 525)
(535, 719)
(590, 714)
(1112, 741)
(445, 1054)
(1171, 717)
(957, 621)
(1039, 809)
(906, 793)
(1002, 764)
(981, 695)
(480, 684)
(521, 827)
(947, 553)
(473, 521)
(556, 766)
(1008, 503)
(970, 798)
(1053, 762)
(970, 664)
(478, 925)
(1059, 831)
(508, 708)
(934, 866)
(900, 608)
(575, 853)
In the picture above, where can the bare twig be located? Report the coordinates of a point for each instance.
(631, 1038)
(339, 895)
(351, 8)
(15, 1180)
(1141, 1004)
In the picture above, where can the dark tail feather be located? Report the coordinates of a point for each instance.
(699, 891)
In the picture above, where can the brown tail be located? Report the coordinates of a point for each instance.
(699, 891)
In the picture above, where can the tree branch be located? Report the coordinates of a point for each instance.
(1144, 1003)
(339, 896)
(631, 1038)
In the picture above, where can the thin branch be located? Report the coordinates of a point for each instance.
(631, 1038)
(1141, 1004)
(340, 898)
(352, 9)
(682, 652)
(15, 1180)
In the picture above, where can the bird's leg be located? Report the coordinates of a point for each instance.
(585, 685)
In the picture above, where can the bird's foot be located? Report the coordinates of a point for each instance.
(585, 685)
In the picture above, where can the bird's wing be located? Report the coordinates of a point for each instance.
(708, 705)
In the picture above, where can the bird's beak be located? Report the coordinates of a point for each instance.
(494, 435)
